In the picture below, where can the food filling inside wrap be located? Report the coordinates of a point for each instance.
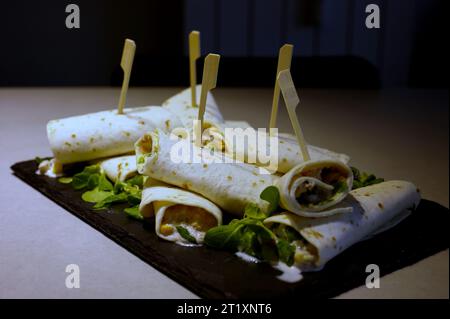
(181, 222)
(313, 188)
(299, 252)
(319, 185)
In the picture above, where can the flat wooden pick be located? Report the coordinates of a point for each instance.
(284, 63)
(291, 100)
(194, 54)
(209, 80)
(126, 63)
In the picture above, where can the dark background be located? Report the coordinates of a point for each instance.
(333, 48)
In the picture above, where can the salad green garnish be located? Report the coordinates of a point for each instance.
(362, 179)
(65, 180)
(286, 252)
(249, 235)
(286, 233)
(95, 195)
(88, 178)
(340, 187)
(99, 190)
(133, 212)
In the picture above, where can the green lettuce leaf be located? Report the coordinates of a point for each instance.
(248, 242)
(186, 235)
(137, 180)
(133, 212)
(362, 179)
(271, 195)
(104, 184)
(249, 234)
(111, 199)
(224, 236)
(65, 180)
(96, 195)
(286, 252)
(253, 211)
(88, 178)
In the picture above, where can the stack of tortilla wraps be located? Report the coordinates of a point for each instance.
(179, 162)
(287, 148)
(169, 205)
(317, 195)
(186, 195)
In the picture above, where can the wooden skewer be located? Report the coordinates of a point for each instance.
(194, 54)
(126, 63)
(291, 100)
(284, 63)
(209, 80)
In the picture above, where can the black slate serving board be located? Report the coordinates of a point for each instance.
(218, 274)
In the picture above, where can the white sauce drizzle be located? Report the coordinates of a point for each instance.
(247, 257)
(49, 168)
(288, 274)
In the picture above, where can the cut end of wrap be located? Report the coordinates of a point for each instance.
(311, 189)
(181, 216)
(146, 149)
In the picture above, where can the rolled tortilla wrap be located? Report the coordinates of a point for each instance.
(276, 154)
(323, 238)
(106, 133)
(213, 122)
(292, 140)
(257, 153)
(237, 124)
(290, 154)
(214, 135)
(180, 105)
(119, 168)
(174, 207)
(230, 185)
(313, 188)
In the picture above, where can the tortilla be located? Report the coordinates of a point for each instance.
(313, 188)
(174, 207)
(373, 207)
(180, 104)
(119, 168)
(230, 185)
(289, 154)
(214, 136)
(106, 133)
